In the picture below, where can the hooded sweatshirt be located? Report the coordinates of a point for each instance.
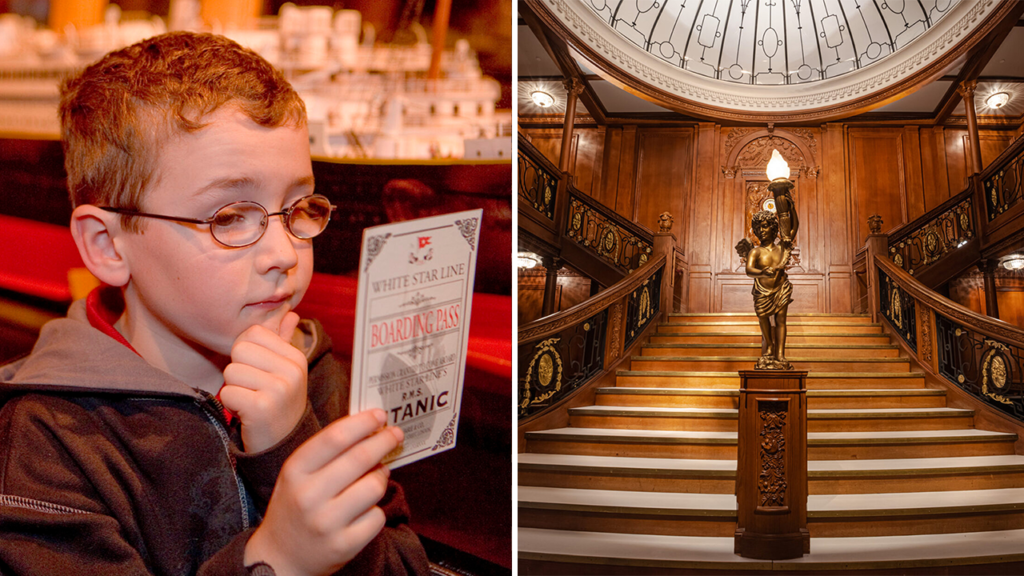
(111, 466)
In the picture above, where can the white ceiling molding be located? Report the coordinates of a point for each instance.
(623, 62)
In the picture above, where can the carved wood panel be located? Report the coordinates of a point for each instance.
(877, 179)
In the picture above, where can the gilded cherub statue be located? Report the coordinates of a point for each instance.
(772, 291)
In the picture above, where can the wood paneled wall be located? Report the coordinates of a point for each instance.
(709, 177)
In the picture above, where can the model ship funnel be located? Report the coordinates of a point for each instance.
(777, 167)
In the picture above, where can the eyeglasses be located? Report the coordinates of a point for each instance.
(242, 224)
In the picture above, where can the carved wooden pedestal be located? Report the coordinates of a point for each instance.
(771, 471)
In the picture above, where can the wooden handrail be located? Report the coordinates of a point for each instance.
(978, 322)
(910, 227)
(554, 323)
(531, 151)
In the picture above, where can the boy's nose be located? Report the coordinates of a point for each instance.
(276, 247)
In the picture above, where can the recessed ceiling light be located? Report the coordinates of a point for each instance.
(542, 99)
(997, 100)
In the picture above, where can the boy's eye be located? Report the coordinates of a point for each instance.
(237, 215)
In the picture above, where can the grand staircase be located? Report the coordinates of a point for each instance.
(644, 480)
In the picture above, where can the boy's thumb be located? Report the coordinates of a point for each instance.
(288, 325)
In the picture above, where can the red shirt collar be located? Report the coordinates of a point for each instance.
(103, 307)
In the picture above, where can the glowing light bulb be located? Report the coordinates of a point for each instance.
(777, 167)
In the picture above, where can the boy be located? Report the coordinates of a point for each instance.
(772, 289)
(172, 423)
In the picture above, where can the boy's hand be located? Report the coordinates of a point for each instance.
(265, 384)
(323, 509)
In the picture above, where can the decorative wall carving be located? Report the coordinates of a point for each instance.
(771, 481)
(758, 152)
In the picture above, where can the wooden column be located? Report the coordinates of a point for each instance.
(665, 243)
(877, 244)
(771, 468)
(966, 90)
(988, 269)
(573, 88)
(551, 265)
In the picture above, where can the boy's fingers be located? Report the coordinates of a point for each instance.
(340, 473)
(272, 341)
(362, 495)
(335, 439)
(236, 398)
(258, 357)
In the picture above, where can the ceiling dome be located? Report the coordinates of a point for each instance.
(771, 59)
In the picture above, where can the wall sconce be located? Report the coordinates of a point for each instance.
(997, 100)
(1014, 262)
(527, 260)
(542, 99)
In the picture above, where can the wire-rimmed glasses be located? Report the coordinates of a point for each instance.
(243, 223)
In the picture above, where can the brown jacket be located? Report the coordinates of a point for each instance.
(110, 466)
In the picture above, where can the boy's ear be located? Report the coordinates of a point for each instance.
(97, 234)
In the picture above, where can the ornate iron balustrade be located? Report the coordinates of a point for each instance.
(979, 355)
(934, 239)
(984, 367)
(561, 363)
(1004, 187)
(599, 232)
(899, 309)
(564, 351)
(644, 305)
(537, 184)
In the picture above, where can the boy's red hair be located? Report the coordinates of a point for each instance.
(116, 112)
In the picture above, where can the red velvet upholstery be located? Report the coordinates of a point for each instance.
(35, 258)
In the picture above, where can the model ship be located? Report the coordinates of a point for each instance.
(364, 99)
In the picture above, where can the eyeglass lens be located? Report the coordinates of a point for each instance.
(243, 223)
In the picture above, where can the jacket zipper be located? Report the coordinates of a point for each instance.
(214, 411)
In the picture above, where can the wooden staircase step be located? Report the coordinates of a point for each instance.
(754, 337)
(900, 514)
(840, 515)
(731, 380)
(543, 551)
(823, 476)
(627, 511)
(723, 398)
(915, 474)
(753, 351)
(678, 317)
(731, 363)
(724, 419)
(722, 445)
(754, 328)
(698, 476)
